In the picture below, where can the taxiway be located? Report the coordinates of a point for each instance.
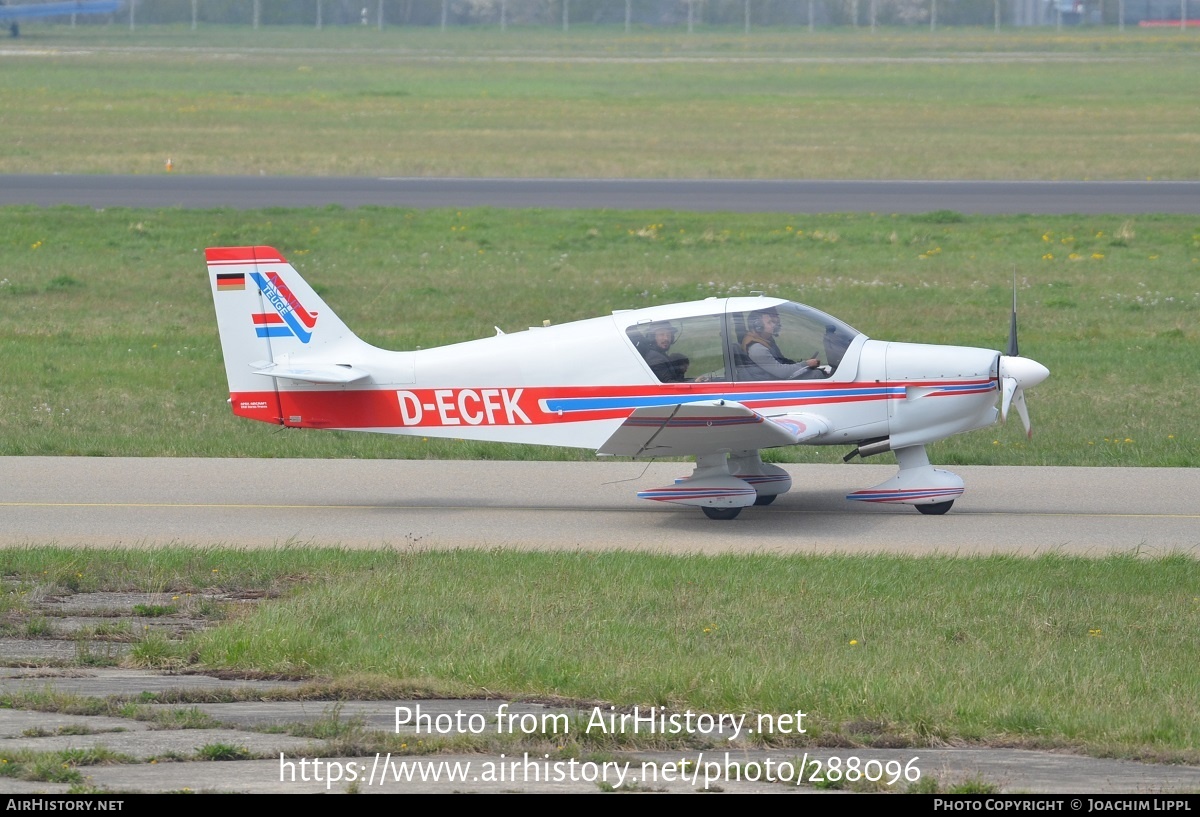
(577, 505)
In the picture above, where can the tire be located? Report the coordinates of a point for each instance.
(720, 513)
(936, 508)
(765, 500)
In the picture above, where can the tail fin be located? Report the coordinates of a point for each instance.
(273, 325)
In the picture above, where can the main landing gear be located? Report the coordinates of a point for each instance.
(722, 484)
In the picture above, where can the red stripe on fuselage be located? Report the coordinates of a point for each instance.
(397, 407)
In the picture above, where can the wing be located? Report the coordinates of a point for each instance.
(707, 427)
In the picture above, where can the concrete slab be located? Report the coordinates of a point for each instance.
(102, 682)
(1013, 771)
(151, 744)
(24, 723)
(380, 716)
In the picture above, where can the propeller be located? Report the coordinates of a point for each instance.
(1011, 351)
(1017, 373)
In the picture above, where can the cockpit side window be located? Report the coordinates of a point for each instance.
(781, 342)
(684, 350)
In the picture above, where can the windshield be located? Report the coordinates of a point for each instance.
(786, 336)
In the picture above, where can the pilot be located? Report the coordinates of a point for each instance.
(764, 359)
(656, 349)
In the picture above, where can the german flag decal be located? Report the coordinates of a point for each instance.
(229, 281)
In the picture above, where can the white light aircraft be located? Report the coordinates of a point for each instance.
(708, 379)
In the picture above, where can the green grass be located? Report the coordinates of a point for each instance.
(38, 627)
(154, 610)
(155, 651)
(188, 718)
(182, 570)
(775, 104)
(1010, 649)
(1096, 655)
(56, 766)
(223, 751)
(125, 361)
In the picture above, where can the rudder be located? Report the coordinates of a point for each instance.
(269, 318)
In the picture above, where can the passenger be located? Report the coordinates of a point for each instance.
(656, 349)
(764, 358)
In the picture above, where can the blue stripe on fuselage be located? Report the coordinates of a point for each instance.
(570, 404)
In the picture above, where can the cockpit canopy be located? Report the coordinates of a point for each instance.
(721, 345)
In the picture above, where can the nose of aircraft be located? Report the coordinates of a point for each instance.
(1028, 373)
(1016, 375)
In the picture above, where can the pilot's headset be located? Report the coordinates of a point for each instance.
(755, 321)
(652, 330)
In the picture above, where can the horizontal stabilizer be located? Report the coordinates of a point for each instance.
(706, 427)
(316, 373)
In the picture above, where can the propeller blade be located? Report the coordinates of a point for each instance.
(1010, 388)
(1019, 402)
(1011, 351)
(1017, 373)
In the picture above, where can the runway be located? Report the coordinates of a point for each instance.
(708, 195)
(577, 506)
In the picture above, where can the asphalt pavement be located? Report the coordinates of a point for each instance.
(704, 195)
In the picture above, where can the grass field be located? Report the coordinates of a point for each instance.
(110, 346)
(599, 103)
(1095, 655)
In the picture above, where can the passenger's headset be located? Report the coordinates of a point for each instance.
(756, 323)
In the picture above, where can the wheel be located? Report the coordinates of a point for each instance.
(765, 500)
(936, 508)
(720, 513)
